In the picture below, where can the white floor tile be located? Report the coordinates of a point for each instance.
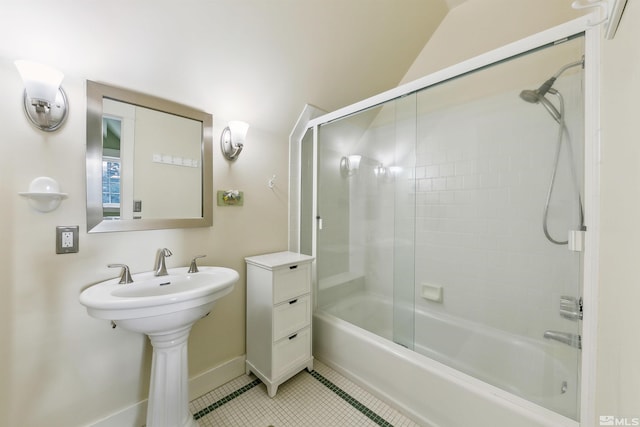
(303, 401)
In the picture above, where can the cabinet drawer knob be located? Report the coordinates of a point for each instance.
(293, 336)
(293, 267)
(293, 301)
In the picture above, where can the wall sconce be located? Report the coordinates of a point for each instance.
(349, 165)
(381, 171)
(232, 139)
(45, 103)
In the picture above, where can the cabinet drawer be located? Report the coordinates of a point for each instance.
(290, 316)
(291, 281)
(291, 351)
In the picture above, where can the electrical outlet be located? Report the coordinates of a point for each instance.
(67, 239)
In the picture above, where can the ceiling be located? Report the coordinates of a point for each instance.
(259, 61)
(454, 3)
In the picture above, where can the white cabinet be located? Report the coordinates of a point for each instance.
(278, 317)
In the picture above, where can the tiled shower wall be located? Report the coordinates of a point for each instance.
(477, 185)
(482, 174)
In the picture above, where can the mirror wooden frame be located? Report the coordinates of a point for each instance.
(96, 92)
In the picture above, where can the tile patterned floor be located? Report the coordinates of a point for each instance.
(320, 398)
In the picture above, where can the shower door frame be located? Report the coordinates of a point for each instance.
(592, 37)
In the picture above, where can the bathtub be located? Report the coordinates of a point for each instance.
(476, 378)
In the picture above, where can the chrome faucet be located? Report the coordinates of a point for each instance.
(567, 338)
(161, 268)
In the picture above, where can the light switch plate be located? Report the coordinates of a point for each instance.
(67, 239)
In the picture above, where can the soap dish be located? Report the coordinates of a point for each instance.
(44, 194)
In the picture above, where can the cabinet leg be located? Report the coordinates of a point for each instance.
(272, 390)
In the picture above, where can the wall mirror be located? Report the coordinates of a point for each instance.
(148, 162)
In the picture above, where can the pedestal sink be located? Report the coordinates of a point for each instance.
(164, 308)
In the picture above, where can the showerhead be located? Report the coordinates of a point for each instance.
(537, 96)
(534, 97)
(531, 96)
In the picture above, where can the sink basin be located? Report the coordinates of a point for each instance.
(164, 308)
(159, 304)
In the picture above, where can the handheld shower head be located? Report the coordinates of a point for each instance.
(531, 96)
(534, 97)
(537, 96)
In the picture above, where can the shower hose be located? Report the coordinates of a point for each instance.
(562, 129)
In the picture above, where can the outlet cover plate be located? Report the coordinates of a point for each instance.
(67, 239)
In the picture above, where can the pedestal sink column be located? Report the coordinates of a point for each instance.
(169, 391)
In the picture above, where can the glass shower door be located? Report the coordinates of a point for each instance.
(442, 218)
(485, 163)
(365, 219)
(402, 173)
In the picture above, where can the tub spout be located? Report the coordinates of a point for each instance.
(564, 337)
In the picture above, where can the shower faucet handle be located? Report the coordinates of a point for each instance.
(571, 307)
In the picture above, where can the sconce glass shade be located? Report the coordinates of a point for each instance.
(45, 103)
(380, 170)
(349, 165)
(40, 81)
(354, 162)
(238, 131)
(233, 138)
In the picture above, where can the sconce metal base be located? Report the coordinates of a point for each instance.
(230, 151)
(47, 117)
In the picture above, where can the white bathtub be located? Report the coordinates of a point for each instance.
(485, 373)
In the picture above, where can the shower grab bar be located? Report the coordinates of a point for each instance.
(567, 338)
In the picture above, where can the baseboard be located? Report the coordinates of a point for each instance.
(216, 376)
(135, 415)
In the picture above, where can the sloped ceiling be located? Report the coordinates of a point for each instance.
(454, 3)
(253, 60)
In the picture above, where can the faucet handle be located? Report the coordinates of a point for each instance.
(194, 267)
(571, 307)
(125, 275)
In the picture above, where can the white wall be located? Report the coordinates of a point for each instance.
(58, 366)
